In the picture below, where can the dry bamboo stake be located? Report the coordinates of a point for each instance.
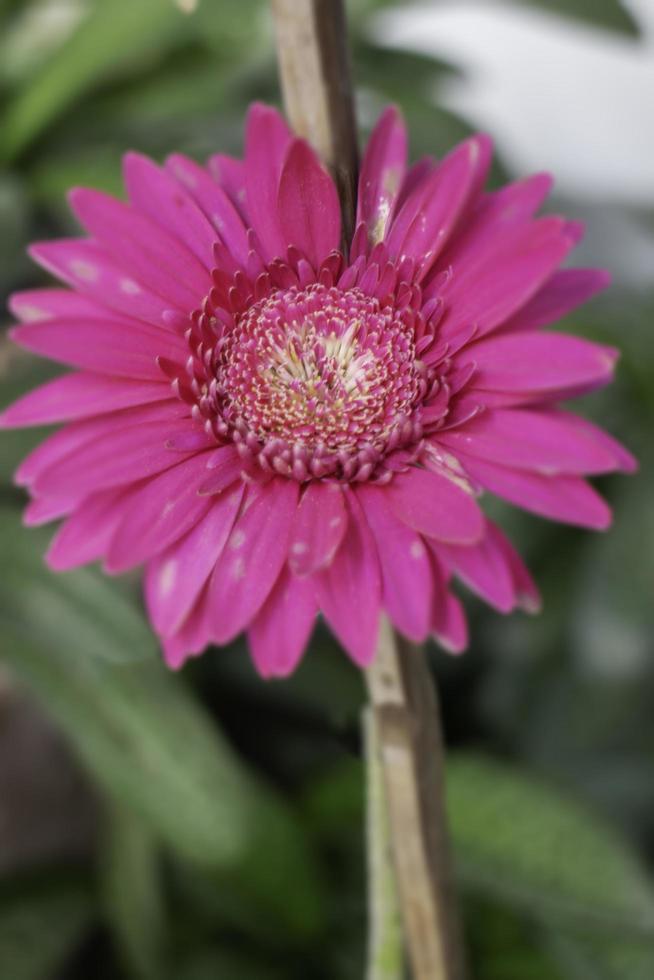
(315, 74)
(385, 943)
(312, 51)
(406, 711)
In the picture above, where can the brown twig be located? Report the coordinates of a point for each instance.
(406, 711)
(312, 50)
(315, 75)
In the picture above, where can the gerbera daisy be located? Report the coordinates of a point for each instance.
(277, 423)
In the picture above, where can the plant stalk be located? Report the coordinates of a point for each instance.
(403, 701)
(318, 97)
(314, 67)
(385, 942)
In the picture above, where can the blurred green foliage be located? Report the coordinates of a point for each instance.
(231, 811)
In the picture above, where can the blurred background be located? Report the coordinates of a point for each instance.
(210, 825)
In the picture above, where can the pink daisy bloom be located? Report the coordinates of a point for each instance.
(277, 424)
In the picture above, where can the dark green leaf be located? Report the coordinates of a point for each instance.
(150, 746)
(81, 611)
(597, 958)
(41, 921)
(526, 844)
(133, 892)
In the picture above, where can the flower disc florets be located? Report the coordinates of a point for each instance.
(320, 380)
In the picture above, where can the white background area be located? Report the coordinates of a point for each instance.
(556, 94)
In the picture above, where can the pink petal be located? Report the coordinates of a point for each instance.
(35, 305)
(70, 438)
(527, 594)
(87, 533)
(266, 139)
(155, 257)
(382, 173)
(426, 221)
(230, 174)
(225, 466)
(484, 569)
(175, 578)
(561, 498)
(405, 566)
(190, 639)
(538, 440)
(435, 506)
(449, 624)
(46, 509)
(87, 267)
(318, 528)
(215, 204)
(547, 363)
(497, 215)
(118, 456)
(78, 396)
(563, 292)
(280, 632)
(416, 175)
(155, 193)
(309, 211)
(623, 459)
(349, 590)
(164, 509)
(119, 347)
(253, 558)
(512, 271)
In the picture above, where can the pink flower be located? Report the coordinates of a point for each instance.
(276, 426)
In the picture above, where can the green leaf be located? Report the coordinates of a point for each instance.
(151, 748)
(217, 964)
(609, 14)
(41, 921)
(113, 37)
(133, 889)
(597, 958)
(505, 946)
(81, 610)
(525, 844)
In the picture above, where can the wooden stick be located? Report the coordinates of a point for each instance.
(406, 710)
(312, 51)
(385, 942)
(315, 76)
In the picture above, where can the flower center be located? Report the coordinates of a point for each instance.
(324, 375)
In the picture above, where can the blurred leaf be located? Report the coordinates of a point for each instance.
(133, 890)
(19, 373)
(525, 844)
(14, 211)
(81, 610)
(37, 28)
(610, 14)
(504, 946)
(597, 958)
(405, 73)
(111, 36)
(151, 747)
(242, 24)
(335, 801)
(41, 921)
(216, 964)
(615, 618)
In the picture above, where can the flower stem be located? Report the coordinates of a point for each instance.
(411, 749)
(385, 944)
(315, 77)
